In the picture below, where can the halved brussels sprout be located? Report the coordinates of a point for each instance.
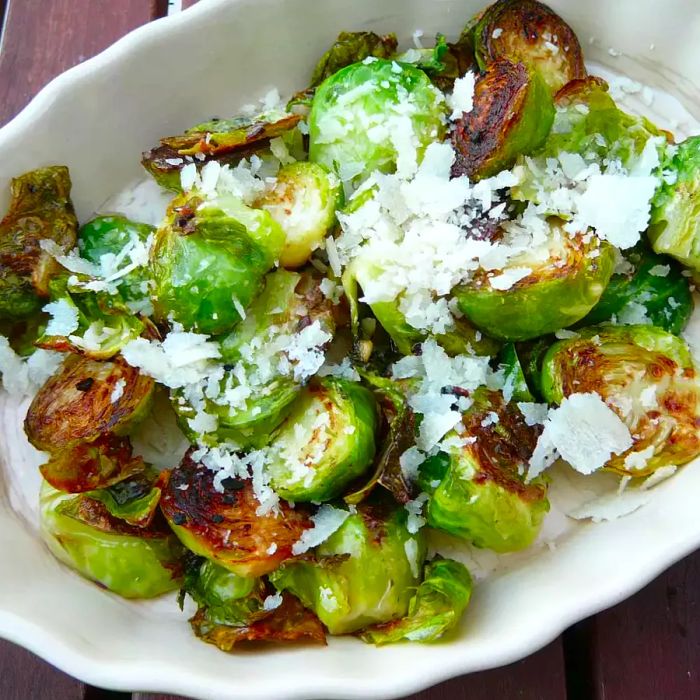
(352, 47)
(224, 526)
(512, 115)
(399, 437)
(87, 466)
(112, 236)
(130, 561)
(463, 338)
(327, 441)
(222, 597)
(209, 260)
(515, 383)
(303, 202)
(589, 123)
(84, 400)
(134, 500)
(260, 379)
(646, 376)
(529, 32)
(364, 573)
(530, 354)
(564, 279)
(225, 140)
(363, 116)
(675, 217)
(290, 622)
(104, 324)
(652, 286)
(40, 209)
(233, 609)
(481, 493)
(436, 608)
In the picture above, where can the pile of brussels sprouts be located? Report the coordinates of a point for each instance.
(306, 501)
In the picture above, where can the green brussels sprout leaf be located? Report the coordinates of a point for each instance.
(436, 608)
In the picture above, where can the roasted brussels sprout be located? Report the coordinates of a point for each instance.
(399, 437)
(267, 359)
(512, 115)
(84, 400)
(226, 526)
(589, 124)
(564, 279)
(352, 47)
(40, 210)
(529, 32)
(327, 441)
(646, 376)
(87, 466)
(303, 202)
(363, 574)
(222, 597)
(113, 237)
(675, 215)
(132, 562)
(650, 289)
(225, 140)
(363, 115)
(290, 622)
(435, 609)
(95, 325)
(464, 337)
(481, 493)
(209, 261)
(233, 609)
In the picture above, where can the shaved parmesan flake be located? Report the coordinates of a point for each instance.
(272, 602)
(461, 101)
(64, 318)
(326, 521)
(23, 376)
(182, 358)
(584, 431)
(611, 506)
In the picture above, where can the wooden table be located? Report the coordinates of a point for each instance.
(647, 648)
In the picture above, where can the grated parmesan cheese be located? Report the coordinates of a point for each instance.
(326, 521)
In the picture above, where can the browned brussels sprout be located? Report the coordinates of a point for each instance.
(225, 526)
(40, 209)
(647, 377)
(512, 115)
(225, 140)
(482, 494)
(85, 399)
(352, 47)
(87, 466)
(133, 562)
(290, 622)
(563, 283)
(529, 32)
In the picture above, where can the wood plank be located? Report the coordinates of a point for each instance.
(539, 677)
(648, 647)
(24, 676)
(42, 39)
(188, 3)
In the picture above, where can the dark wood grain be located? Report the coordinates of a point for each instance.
(23, 676)
(42, 39)
(648, 647)
(539, 677)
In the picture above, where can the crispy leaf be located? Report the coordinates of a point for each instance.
(92, 465)
(290, 622)
(352, 47)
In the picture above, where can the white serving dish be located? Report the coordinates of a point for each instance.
(97, 118)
